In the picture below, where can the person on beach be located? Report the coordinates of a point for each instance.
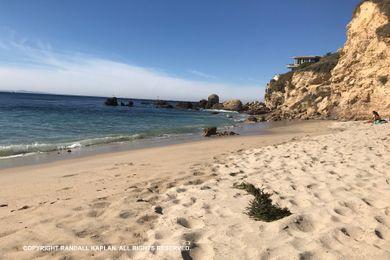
(376, 119)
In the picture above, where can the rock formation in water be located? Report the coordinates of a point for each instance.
(111, 101)
(184, 105)
(162, 104)
(212, 100)
(349, 84)
(202, 103)
(130, 103)
(212, 131)
(233, 105)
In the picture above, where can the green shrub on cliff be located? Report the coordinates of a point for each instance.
(325, 65)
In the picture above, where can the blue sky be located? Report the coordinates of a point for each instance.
(167, 48)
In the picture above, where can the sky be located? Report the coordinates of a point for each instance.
(167, 49)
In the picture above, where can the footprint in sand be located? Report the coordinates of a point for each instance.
(69, 175)
(205, 187)
(311, 186)
(183, 222)
(197, 173)
(158, 210)
(125, 214)
(306, 255)
(345, 232)
(66, 188)
(194, 182)
(100, 205)
(190, 203)
(158, 236)
(171, 185)
(146, 218)
(94, 213)
(191, 238)
(367, 202)
(340, 211)
(82, 233)
(302, 223)
(381, 220)
(237, 195)
(206, 206)
(24, 207)
(378, 233)
(124, 164)
(112, 168)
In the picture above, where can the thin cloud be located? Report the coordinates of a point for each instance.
(36, 67)
(202, 74)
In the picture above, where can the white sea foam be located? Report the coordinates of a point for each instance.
(17, 150)
(221, 111)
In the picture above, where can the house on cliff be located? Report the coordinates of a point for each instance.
(299, 60)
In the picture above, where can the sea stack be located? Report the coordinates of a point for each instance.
(233, 105)
(111, 101)
(212, 100)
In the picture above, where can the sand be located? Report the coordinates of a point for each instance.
(334, 177)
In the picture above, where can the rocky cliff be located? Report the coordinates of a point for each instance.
(345, 85)
(303, 93)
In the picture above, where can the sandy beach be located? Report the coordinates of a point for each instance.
(332, 177)
(211, 130)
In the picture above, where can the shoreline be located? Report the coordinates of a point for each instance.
(94, 124)
(243, 129)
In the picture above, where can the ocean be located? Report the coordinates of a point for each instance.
(42, 123)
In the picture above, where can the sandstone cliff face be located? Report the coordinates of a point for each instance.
(345, 86)
(360, 81)
(304, 93)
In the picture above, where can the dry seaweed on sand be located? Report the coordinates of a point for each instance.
(261, 207)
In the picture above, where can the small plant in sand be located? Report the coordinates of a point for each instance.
(261, 207)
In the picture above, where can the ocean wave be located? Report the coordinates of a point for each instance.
(221, 111)
(17, 150)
